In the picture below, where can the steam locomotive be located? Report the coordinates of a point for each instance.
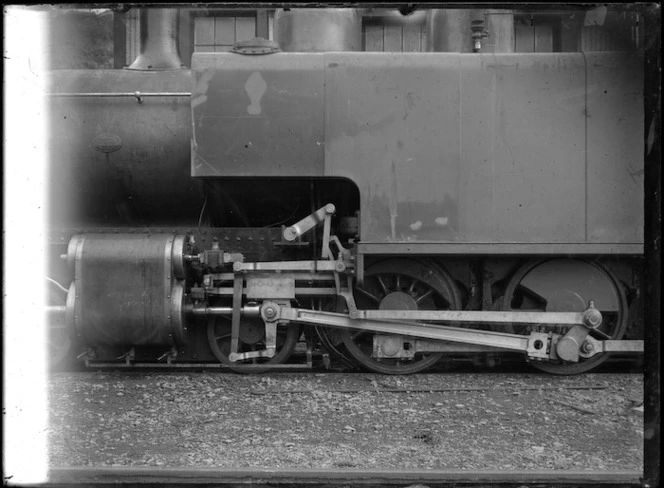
(396, 209)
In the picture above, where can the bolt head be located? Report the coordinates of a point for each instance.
(290, 234)
(593, 318)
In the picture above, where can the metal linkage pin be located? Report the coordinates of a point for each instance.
(591, 316)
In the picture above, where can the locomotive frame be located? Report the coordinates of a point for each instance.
(430, 271)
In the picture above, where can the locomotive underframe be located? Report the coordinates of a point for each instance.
(267, 289)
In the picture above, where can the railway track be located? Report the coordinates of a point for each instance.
(211, 477)
(304, 360)
(345, 430)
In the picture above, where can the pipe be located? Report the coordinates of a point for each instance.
(470, 30)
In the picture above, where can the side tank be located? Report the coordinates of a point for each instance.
(508, 148)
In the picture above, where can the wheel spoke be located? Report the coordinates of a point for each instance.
(426, 295)
(382, 284)
(369, 295)
(601, 334)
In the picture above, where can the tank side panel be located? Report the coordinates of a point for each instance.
(257, 115)
(522, 148)
(615, 148)
(392, 127)
(470, 148)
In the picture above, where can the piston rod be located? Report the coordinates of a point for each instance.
(248, 311)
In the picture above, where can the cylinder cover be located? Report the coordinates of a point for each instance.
(128, 289)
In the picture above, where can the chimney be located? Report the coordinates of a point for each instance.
(159, 40)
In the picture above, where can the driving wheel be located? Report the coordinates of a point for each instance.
(252, 338)
(567, 285)
(400, 284)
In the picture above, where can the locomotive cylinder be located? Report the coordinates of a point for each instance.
(128, 289)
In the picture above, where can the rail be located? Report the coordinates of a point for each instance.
(73, 476)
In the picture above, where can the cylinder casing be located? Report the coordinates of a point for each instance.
(128, 289)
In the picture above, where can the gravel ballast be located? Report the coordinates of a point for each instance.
(465, 421)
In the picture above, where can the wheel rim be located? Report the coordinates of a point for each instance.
(405, 285)
(566, 285)
(252, 338)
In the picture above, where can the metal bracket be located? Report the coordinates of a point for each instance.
(270, 346)
(128, 356)
(88, 355)
(539, 345)
(171, 354)
(270, 314)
